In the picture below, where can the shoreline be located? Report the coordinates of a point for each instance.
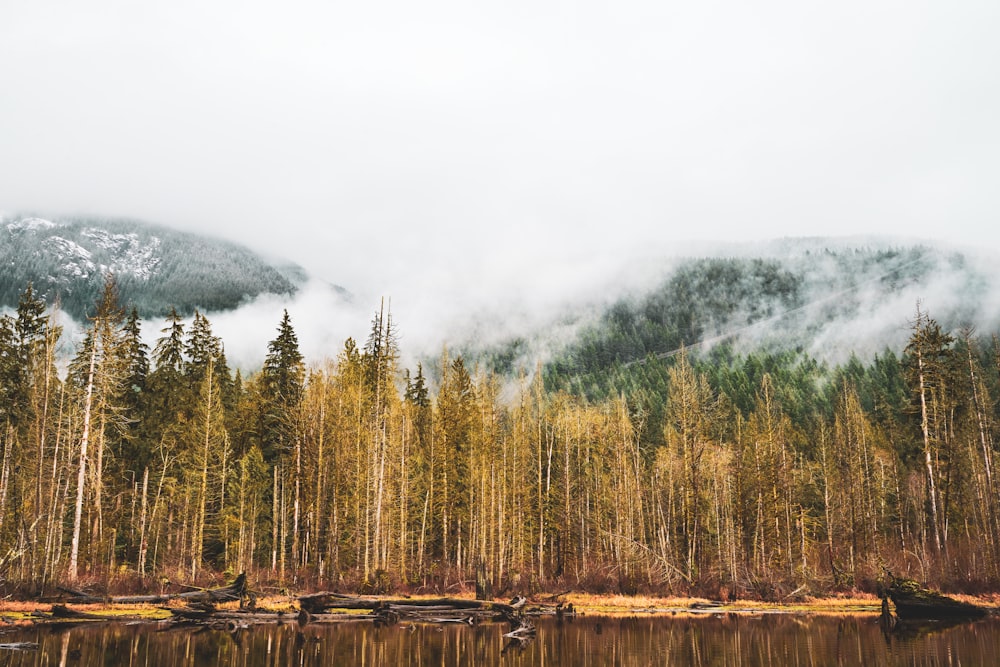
(12, 611)
(291, 607)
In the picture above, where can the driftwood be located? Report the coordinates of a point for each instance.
(388, 611)
(234, 591)
(319, 602)
(61, 611)
(239, 618)
(914, 602)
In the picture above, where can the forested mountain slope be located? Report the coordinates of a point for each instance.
(794, 309)
(156, 268)
(749, 466)
(829, 303)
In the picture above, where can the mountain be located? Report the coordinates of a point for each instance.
(804, 313)
(156, 267)
(823, 299)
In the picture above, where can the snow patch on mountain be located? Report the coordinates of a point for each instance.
(30, 225)
(94, 250)
(130, 255)
(75, 259)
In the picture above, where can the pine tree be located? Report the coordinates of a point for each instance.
(453, 433)
(136, 394)
(283, 378)
(282, 385)
(168, 355)
(201, 349)
(102, 413)
(930, 365)
(170, 395)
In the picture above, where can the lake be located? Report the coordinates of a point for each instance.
(774, 639)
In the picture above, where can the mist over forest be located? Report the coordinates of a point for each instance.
(439, 312)
(791, 415)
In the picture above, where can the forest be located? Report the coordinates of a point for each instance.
(705, 472)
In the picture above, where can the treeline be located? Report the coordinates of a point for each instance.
(767, 474)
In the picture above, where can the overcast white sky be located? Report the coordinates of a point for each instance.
(439, 150)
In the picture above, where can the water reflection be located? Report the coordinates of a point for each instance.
(731, 640)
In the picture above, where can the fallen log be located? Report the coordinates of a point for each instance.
(204, 615)
(914, 602)
(234, 591)
(320, 602)
(61, 611)
(389, 611)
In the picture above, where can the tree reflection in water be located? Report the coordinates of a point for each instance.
(727, 640)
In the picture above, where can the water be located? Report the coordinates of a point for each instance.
(729, 640)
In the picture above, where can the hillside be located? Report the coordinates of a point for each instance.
(804, 298)
(799, 309)
(156, 268)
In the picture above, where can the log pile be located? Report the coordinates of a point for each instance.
(388, 611)
(201, 609)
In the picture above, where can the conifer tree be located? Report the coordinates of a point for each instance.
(689, 414)
(102, 413)
(170, 395)
(200, 349)
(282, 385)
(454, 424)
(930, 366)
(136, 394)
(283, 378)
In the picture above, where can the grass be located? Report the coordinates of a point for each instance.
(584, 603)
(645, 605)
(23, 611)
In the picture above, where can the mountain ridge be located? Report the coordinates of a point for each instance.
(157, 268)
(826, 298)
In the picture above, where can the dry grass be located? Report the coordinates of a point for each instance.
(22, 611)
(646, 605)
(585, 603)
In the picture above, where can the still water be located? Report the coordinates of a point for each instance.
(730, 640)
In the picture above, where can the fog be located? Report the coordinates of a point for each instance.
(842, 312)
(511, 160)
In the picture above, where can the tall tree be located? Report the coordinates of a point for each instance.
(453, 431)
(282, 384)
(930, 366)
(169, 393)
(136, 394)
(105, 375)
(689, 414)
(283, 378)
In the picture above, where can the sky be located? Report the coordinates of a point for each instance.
(464, 155)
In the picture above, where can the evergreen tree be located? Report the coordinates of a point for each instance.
(283, 378)
(930, 368)
(169, 392)
(168, 355)
(11, 386)
(136, 395)
(103, 417)
(456, 405)
(138, 357)
(201, 349)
